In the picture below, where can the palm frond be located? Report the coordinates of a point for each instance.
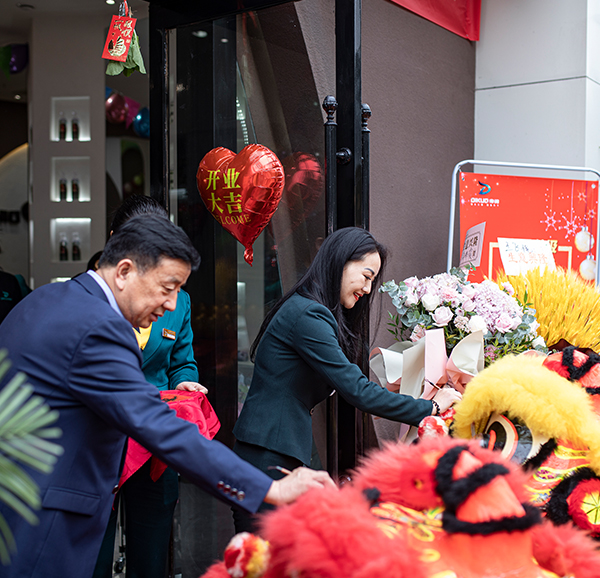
(24, 433)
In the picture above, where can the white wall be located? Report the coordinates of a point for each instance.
(537, 85)
(65, 61)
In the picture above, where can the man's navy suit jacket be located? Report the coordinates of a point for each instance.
(82, 357)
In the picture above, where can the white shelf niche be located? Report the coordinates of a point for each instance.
(70, 168)
(69, 108)
(68, 227)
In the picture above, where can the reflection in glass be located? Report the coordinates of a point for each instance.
(236, 81)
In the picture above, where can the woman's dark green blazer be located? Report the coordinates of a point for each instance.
(298, 364)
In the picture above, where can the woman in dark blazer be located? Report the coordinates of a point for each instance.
(307, 348)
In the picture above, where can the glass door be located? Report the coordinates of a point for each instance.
(256, 77)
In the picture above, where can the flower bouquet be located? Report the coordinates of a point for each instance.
(461, 308)
(446, 331)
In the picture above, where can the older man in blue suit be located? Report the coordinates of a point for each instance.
(74, 341)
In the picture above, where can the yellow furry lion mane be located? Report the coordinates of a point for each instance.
(521, 387)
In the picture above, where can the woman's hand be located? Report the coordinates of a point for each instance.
(446, 398)
(191, 386)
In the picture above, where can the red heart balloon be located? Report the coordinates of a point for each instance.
(304, 186)
(241, 191)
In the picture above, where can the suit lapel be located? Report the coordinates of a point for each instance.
(90, 285)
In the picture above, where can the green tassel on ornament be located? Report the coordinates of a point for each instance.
(134, 60)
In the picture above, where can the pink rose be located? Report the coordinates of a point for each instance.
(418, 333)
(411, 282)
(468, 305)
(449, 295)
(442, 316)
(508, 288)
(504, 323)
(468, 291)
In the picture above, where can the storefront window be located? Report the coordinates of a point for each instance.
(258, 62)
(256, 77)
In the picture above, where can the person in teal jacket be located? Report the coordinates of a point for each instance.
(168, 363)
(307, 349)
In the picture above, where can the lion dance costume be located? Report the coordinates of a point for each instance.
(443, 508)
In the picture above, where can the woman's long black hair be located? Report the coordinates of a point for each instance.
(323, 281)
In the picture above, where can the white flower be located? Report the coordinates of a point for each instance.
(430, 301)
(442, 316)
(410, 298)
(508, 288)
(538, 342)
(468, 305)
(477, 323)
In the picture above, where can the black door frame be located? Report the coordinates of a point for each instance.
(346, 425)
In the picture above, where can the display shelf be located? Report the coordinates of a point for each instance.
(70, 232)
(70, 118)
(70, 179)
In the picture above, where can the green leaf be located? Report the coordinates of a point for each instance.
(136, 53)
(22, 486)
(134, 60)
(18, 506)
(114, 68)
(7, 542)
(24, 437)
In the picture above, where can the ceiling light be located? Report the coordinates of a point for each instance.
(17, 97)
(110, 1)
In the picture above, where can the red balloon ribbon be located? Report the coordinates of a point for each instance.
(241, 191)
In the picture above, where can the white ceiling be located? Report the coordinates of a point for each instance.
(15, 21)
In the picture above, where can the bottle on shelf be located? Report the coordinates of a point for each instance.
(62, 189)
(75, 189)
(74, 125)
(62, 126)
(76, 247)
(63, 248)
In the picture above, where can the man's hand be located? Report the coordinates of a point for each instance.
(192, 386)
(297, 483)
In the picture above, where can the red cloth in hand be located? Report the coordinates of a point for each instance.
(192, 406)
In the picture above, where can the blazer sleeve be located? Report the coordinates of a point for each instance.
(182, 365)
(105, 375)
(315, 339)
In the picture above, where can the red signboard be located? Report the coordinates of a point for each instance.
(561, 211)
(459, 16)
